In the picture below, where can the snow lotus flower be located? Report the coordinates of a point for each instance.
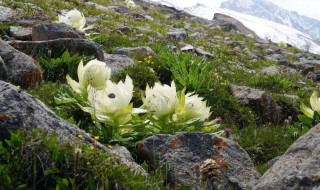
(130, 4)
(315, 105)
(161, 100)
(195, 107)
(75, 19)
(112, 105)
(95, 73)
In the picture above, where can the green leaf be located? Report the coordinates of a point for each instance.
(23, 186)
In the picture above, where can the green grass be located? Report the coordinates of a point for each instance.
(195, 73)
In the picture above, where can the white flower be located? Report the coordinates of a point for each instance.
(112, 103)
(75, 19)
(130, 4)
(315, 105)
(95, 73)
(161, 99)
(195, 107)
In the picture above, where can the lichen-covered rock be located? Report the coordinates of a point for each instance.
(54, 31)
(183, 155)
(21, 70)
(298, 168)
(26, 113)
(73, 46)
(260, 102)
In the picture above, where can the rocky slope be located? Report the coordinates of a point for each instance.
(247, 81)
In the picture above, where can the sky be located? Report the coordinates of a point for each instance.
(310, 8)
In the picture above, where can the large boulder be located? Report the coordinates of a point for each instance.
(73, 46)
(20, 69)
(260, 102)
(298, 168)
(227, 23)
(54, 31)
(184, 155)
(25, 113)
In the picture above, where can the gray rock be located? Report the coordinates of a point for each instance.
(21, 70)
(72, 45)
(54, 31)
(97, 6)
(20, 33)
(3, 70)
(124, 29)
(135, 51)
(311, 62)
(26, 113)
(117, 62)
(180, 35)
(31, 20)
(304, 68)
(198, 51)
(260, 102)
(298, 168)
(139, 17)
(228, 23)
(196, 35)
(120, 9)
(6, 14)
(92, 20)
(184, 153)
(289, 71)
(256, 55)
(273, 70)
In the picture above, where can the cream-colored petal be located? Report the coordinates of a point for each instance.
(314, 102)
(306, 110)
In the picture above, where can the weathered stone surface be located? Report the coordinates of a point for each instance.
(139, 17)
(31, 20)
(185, 152)
(6, 14)
(21, 70)
(26, 113)
(180, 35)
(298, 168)
(260, 102)
(73, 46)
(273, 70)
(54, 31)
(303, 68)
(20, 33)
(229, 23)
(198, 51)
(117, 62)
(97, 6)
(3, 70)
(135, 51)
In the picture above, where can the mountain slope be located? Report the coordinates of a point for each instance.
(269, 11)
(276, 32)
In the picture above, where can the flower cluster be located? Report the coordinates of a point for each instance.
(165, 110)
(164, 101)
(75, 19)
(109, 102)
